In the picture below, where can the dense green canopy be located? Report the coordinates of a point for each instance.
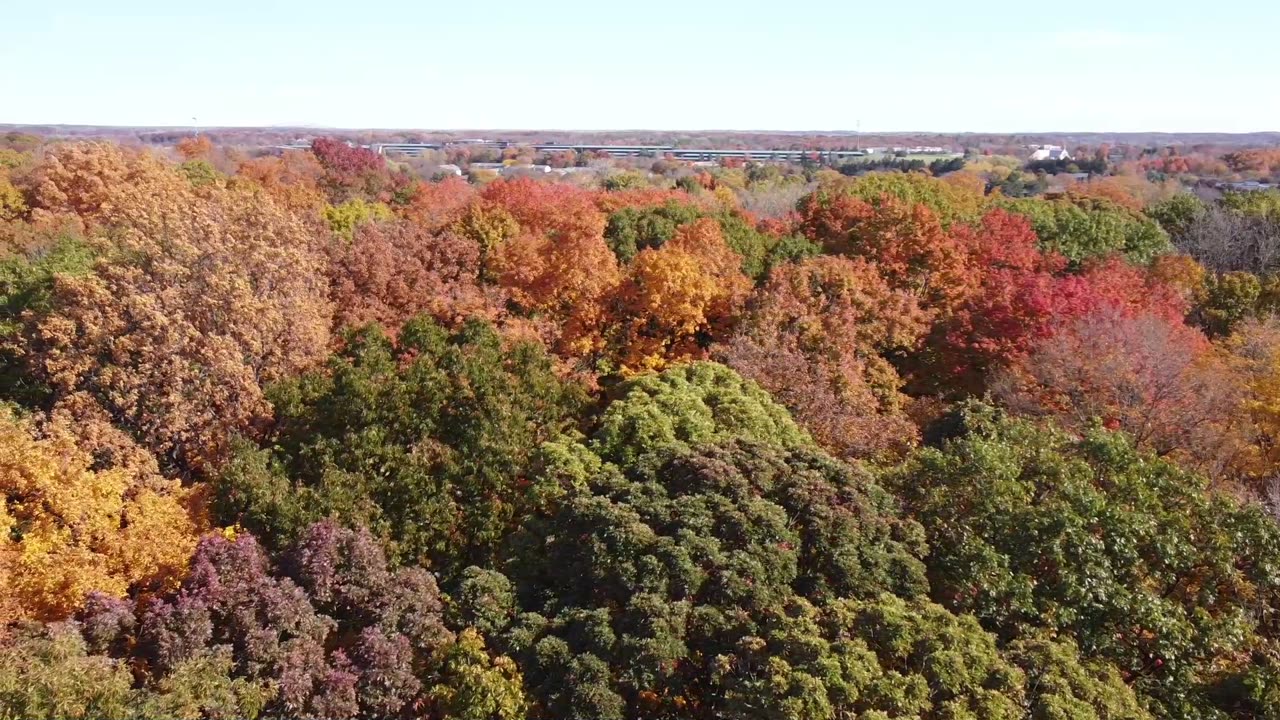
(740, 573)
(1033, 530)
(1083, 228)
(686, 405)
(424, 440)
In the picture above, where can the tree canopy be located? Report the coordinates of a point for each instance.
(1174, 585)
(328, 432)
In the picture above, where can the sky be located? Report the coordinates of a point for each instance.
(891, 65)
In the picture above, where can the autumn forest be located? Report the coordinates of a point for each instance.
(312, 434)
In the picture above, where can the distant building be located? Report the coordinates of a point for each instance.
(902, 150)
(522, 170)
(1049, 152)
(1247, 186)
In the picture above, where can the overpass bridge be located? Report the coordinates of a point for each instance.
(654, 151)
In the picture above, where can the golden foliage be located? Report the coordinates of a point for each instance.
(94, 180)
(12, 204)
(967, 181)
(679, 298)
(201, 297)
(1181, 273)
(1255, 349)
(68, 529)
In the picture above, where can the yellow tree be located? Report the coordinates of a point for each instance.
(67, 529)
(489, 227)
(11, 202)
(477, 687)
(94, 180)
(678, 299)
(1255, 350)
(1183, 274)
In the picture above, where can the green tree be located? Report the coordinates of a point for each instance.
(1080, 228)
(647, 593)
(46, 674)
(425, 440)
(1177, 214)
(1262, 204)
(1230, 298)
(26, 290)
(627, 180)
(205, 687)
(687, 405)
(745, 580)
(791, 248)
(200, 172)
(759, 250)
(949, 203)
(49, 673)
(632, 229)
(1063, 686)
(1035, 530)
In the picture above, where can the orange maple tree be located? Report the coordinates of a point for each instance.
(677, 299)
(815, 335)
(200, 297)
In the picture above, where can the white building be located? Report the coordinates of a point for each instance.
(1049, 152)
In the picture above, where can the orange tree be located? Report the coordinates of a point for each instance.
(197, 297)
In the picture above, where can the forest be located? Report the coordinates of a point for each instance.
(308, 435)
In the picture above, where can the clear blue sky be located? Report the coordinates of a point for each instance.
(1119, 65)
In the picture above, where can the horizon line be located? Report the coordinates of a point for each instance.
(336, 128)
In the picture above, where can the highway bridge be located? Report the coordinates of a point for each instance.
(656, 151)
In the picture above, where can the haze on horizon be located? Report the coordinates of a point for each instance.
(926, 65)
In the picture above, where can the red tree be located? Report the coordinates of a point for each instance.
(392, 271)
(351, 172)
(1158, 380)
(1115, 283)
(1012, 308)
